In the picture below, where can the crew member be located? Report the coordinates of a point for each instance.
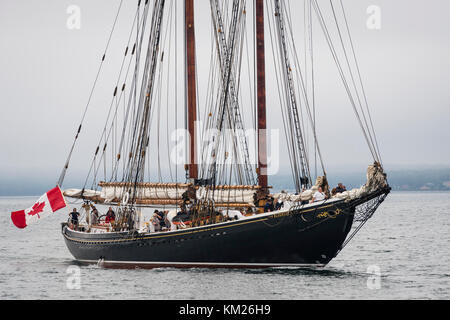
(318, 196)
(340, 188)
(268, 207)
(74, 218)
(110, 216)
(94, 215)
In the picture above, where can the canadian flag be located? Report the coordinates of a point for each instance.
(50, 202)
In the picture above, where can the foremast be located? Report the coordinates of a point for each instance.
(191, 88)
(139, 150)
(261, 97)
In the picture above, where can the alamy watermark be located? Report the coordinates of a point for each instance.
(73, 281)
(374, 280)
(74, 19)
(374, 20)
(227, 147)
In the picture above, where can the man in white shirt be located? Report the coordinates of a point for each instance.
(232, 214)
(318, 196)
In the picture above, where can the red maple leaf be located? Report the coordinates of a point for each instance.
(37, 208)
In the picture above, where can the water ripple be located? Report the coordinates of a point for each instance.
(403, 252)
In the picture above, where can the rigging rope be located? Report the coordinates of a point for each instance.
(137, 165)
(66, 166)
(303, 90)
(292, 100)
(104, 134)
(360, 81)
(341, 73)
(234, 117)
(353, 78)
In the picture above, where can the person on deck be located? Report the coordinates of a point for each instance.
(110, 216)
(74, 218)
(278, 205)
(318, 196)
(155, 222)
(333, 192)
(170, 216)
(303, 202)
(94, 216)
(166, 220)
(340, 188)
(162, 219)
(183, 213)
(230, 215)
(160, 215)
(268, 207)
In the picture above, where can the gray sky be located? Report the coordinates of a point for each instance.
(47, 71)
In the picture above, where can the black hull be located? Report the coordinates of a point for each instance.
(302, 236)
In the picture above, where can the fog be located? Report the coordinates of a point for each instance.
(47, 71)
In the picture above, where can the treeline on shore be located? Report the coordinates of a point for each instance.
(399, 180)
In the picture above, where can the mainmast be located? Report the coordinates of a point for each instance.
(261, 87)
(191, 94)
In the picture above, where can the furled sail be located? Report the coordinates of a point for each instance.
(376, 180)
(244, 194)
(167, 193)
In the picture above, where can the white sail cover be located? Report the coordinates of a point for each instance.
(376, 179)
(151, 192)
(111, 192)
(116, 192)
(76, 193)
(235, 195)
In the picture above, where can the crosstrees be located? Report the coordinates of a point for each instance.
(228, 109)
(235, 119)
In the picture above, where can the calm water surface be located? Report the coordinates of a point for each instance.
(407, 243)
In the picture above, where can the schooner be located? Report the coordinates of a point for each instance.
(223, 213)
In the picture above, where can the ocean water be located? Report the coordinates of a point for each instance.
(403, 252)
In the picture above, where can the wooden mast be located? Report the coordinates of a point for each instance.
(191, 94)
(261, 87)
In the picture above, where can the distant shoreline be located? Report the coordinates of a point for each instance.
(408, 180)
(393, 190)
